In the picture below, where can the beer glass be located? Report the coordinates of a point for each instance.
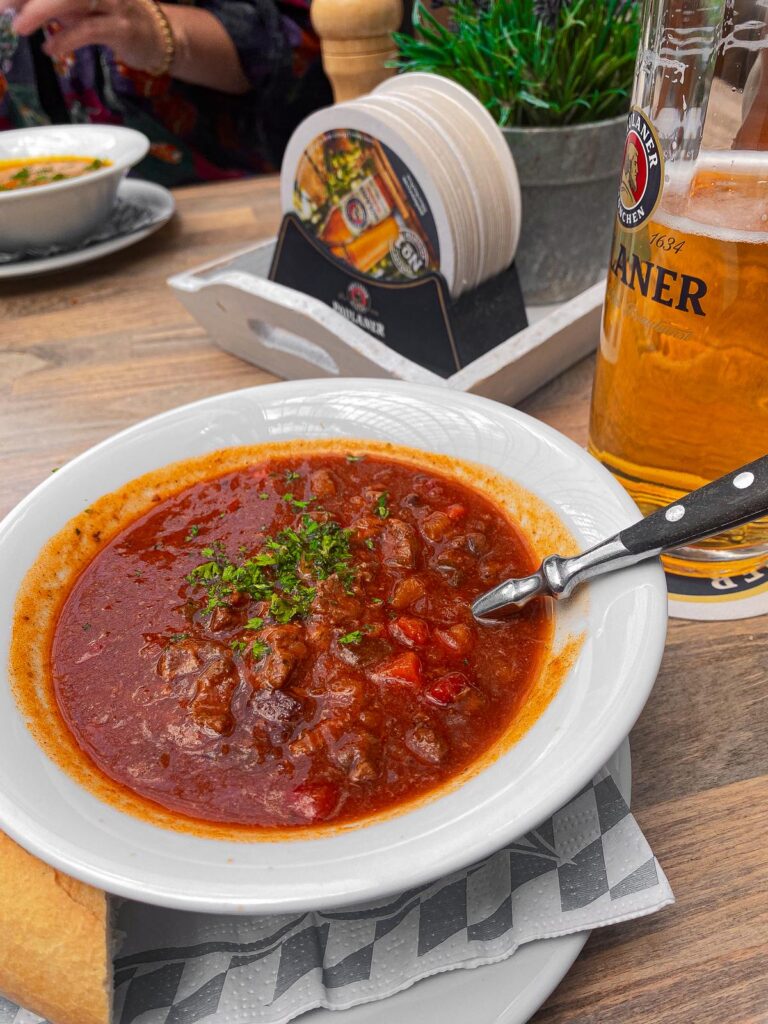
(681, 384)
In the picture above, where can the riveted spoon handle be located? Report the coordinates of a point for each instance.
(732, 500)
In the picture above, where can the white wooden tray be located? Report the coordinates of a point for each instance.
(293, 335)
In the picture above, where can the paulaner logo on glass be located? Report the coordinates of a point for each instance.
(642, 172)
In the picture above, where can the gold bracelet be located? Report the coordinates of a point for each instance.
(169, 40)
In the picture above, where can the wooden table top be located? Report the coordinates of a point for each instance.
(87, 352)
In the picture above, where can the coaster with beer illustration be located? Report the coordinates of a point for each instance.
(727, 597)
(371, 210)
(402, 212)
(412, 179)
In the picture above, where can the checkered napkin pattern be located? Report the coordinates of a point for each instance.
(128, 215)
(587, 866)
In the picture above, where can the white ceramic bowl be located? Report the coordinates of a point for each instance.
(623, 616)
(65, 212)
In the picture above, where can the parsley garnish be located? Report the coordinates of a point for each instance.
(94, 165)
(176, 638)
(370, 543)
(239, 646)
(295, 503)
(22, 175)
(259, 648)
(264, 495)
(254, 623)
(291, 475)
(377, 600)
(355, 458)
(193, 532)
(381, 508)
(354, 637)
(283, 573)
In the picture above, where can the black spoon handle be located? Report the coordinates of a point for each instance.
(733, 499)
(739, 497)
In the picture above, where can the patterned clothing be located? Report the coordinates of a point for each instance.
(196, 134)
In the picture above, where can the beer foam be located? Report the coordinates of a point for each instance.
(722, 196)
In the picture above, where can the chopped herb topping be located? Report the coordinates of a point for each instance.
(352, 638)
(239, 646)
(291, 475)
(94, 165)
(355, 458)
(377, 600)
(176, 638)
(283, 573)
(22, 175)
(381, 508)
(264, 495)
(295, 503)
(259, 648)
(192, 532)
(254, 623)
(370, 543)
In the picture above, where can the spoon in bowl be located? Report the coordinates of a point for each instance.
(732, 500)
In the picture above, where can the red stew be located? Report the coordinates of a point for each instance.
(292, 644)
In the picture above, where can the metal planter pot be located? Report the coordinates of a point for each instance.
(569, 179)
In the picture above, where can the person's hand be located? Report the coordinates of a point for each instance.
(128, 27)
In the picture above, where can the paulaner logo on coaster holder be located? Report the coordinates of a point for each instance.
(402, 213)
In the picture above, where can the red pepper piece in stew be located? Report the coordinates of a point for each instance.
(448, 688)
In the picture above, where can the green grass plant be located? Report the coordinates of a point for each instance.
(532, 63)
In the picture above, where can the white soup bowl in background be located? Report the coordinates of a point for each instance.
(63, 213)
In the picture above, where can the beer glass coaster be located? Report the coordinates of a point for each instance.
(728, 597)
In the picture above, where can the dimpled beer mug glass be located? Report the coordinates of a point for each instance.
(681, 384)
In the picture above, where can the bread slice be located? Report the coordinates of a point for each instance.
(55, 953)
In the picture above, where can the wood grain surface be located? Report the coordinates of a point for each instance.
(87, 352)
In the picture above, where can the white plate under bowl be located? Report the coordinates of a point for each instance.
(155, 198)
(623, 617)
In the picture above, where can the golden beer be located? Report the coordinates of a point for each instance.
(681, 385)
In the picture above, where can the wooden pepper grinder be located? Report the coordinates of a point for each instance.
(356, 41)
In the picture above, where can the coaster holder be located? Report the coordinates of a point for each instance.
(293, 335)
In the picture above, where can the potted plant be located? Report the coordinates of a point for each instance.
(557, 76)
